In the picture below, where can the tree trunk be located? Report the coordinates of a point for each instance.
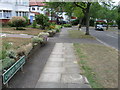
(87, 18)
(107, 25)
(80, 23)
(87, 23)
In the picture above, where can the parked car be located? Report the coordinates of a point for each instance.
(99, 27)
(114, 25)
(62, 22)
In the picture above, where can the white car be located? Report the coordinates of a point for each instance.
(99, 27)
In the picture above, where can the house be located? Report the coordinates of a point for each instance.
(10, 8)
(36, 7)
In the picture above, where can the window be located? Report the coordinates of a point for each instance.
(38, 8)
(23, 13)
(33, 8)
(0, 14)
(7, 14)
(17, 14)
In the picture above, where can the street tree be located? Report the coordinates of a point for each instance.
(85, 6)
(107, 13)
(79, 14)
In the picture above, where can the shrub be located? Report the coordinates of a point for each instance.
(7, 62)
(91, 22)
(36, 40)
(51, 34)
(27, 20)
(67, 25)
(11, 54)
(17, 21)
(58, 27)
(4, 24)
(34, 24)
(42, 20)
(5, 47)
(52, 27)
(24, 50)
(43, 34)
(118, 21)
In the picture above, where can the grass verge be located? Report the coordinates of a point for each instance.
(99, 64)
(79, 34)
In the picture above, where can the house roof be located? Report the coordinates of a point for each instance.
(36, 2)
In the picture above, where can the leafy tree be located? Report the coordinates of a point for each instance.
(107, 13)
(85, 6)
(118, 18)
(79, 14)
(42, 20)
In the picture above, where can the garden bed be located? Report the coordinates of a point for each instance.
(20, 47)
(29, 31)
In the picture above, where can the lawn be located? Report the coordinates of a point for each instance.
(79, 34)
(29, 31)
(99, 64)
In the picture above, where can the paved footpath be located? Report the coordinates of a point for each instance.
(62, 70)
(53, 66)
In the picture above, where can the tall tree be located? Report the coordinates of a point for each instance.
(79, 14)
(107, 13)
(85, 6)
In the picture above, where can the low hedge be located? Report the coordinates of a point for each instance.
(67, 25)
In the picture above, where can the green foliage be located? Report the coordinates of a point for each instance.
(78, 12)
(91, 22)
(67, 25)
(118, 18)
(34, 24)
(27, 20)
(42, 20)
(4, 24)
(118, 21)
(58, 27)
(3, 53)
(11, 54)
(75, 22)
(17, 21)
(7, 62)
(36, 40)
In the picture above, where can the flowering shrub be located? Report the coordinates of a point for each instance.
(51, 32)
(7, 62)
(43, 34)
(36, 40)
(51, 27)
(17, 21)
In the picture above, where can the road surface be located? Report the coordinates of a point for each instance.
(109, 38)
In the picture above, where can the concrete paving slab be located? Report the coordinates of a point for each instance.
(72, 70)
(61, 70)
(57, 53)
(71, 78)
(56, 56)
(47, 77)
(54, 70)
(48, 85)
(54, 64)
(78, 86)
(56, 59)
